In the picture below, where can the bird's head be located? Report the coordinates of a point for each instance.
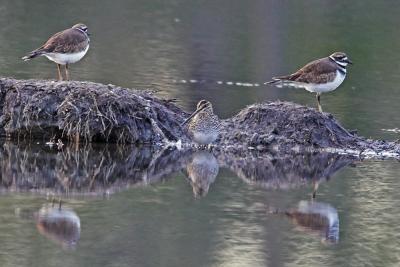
(341, 59)
(82, 27)
(202, 105)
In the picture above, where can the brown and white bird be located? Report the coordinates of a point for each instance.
(317, 217)
(65, 47)
(63, 226)
(319, 76)
(203, 124)
(202, 171)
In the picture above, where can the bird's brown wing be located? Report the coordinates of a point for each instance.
(67, 41)
(319, 71)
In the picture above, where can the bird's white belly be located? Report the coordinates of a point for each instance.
(326, 87)
(204, 138)
(63, 59)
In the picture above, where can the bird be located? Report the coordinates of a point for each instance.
(319, 76)
(64, 48)
(204, 125)
(202, 170)
(61, 225)
(317, 217)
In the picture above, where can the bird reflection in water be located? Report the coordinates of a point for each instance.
(62, 225)
(202, 170)
(316, 217)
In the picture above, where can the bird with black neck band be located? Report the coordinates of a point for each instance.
(64, 48)
(319, 76)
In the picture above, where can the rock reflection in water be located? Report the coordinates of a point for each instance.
(202, 170)
(91, 170)
(104, 169)
(61, 225)
(318, 217)
(289, 171)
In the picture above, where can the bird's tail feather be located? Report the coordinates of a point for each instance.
(284, 81)
(280, 79)
(33, 54)
(273, 81)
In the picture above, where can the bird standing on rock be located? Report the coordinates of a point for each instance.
(319, 76)
(65, 47)
(203, 124)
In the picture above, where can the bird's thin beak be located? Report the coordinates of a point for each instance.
(349, 61)
(89, 34)
(191, 116)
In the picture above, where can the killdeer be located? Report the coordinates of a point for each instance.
(317, 217)
(203, 124)
(319, 76)
(61, 225)
(65, 47)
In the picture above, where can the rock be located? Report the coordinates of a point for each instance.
(93, 112)
(85, 111)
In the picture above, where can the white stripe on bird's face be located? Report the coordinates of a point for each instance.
(342, 62)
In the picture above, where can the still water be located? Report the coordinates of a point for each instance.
(127, 206)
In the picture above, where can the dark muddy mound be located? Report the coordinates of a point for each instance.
(92, 112)
(85, 111)
(285, 124)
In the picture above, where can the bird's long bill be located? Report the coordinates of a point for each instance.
(191, 116)
(349, 61)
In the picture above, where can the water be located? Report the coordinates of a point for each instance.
(138, 207)
(125, 206)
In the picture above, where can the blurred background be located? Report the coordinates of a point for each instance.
(152, 43)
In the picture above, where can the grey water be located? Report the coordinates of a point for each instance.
(129, 206)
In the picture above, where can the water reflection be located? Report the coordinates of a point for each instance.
(202, 170)
(288, 172)
(60, 225)
(99, 170)
(92, 170)
(316, 217)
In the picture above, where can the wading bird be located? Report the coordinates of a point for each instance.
(202, 171)
(65, 47)
(203, 124)
(319, 76)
